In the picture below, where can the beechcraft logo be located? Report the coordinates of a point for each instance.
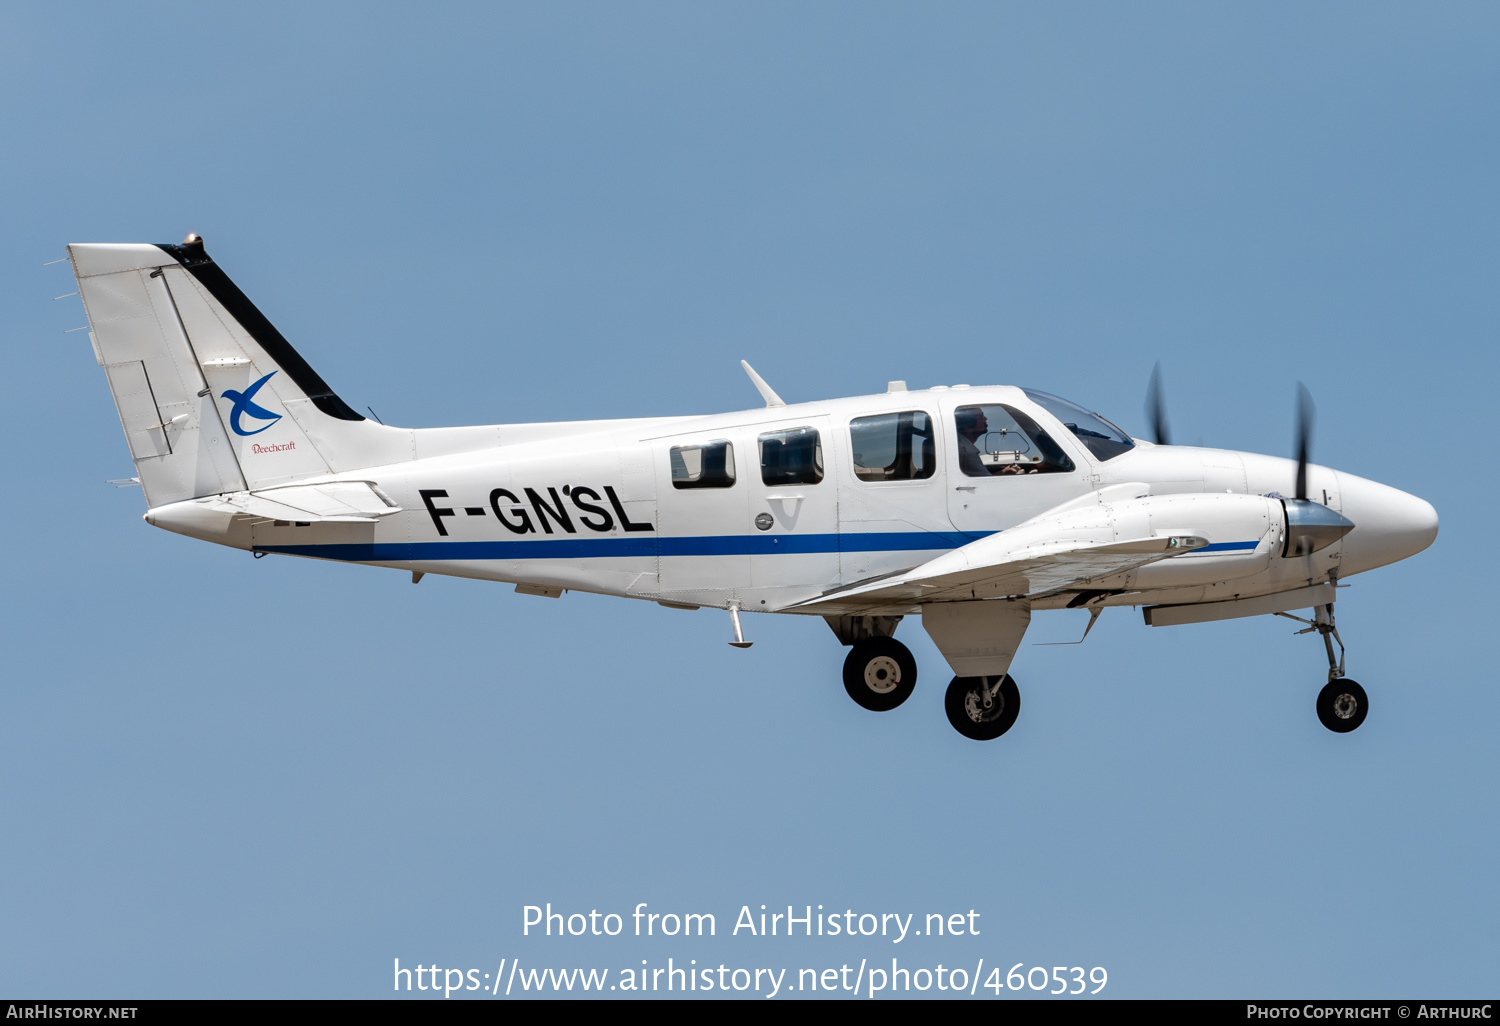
(243, 404)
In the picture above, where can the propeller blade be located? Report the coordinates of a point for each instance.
(1305, 413)
(1156, 409)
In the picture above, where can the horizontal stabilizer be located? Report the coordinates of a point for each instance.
(335, 502)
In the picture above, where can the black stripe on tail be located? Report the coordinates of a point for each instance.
(202, 267)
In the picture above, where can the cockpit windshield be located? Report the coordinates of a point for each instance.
(1101, 437)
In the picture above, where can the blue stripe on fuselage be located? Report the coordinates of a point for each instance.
(599, 548)
(706, 545)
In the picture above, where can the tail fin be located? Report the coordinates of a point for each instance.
(212, 398)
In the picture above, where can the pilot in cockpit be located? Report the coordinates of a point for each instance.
(973, 425)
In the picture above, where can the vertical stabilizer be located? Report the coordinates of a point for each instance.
(211, 396)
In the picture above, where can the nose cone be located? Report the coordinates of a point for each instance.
(1389, 524)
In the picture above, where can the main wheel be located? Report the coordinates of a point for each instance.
(1342, 705)
(880, 673)
(971, 717)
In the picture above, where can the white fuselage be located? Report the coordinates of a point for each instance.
(594, 508)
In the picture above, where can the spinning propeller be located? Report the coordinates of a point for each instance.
(1310, 524)
(1156, 409)
(1305, 413)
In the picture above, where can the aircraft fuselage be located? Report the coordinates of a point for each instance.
(594, 507)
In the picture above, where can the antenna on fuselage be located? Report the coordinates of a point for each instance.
(766, 391)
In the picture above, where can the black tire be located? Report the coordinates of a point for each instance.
(1342, 705)
(966, 711)
(880, 673)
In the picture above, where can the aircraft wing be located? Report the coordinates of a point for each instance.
(1076, 546)
(990, 568)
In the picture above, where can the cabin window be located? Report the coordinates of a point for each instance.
(709, 465)
(998, 440)
(1101, 437)
(791, 456)
(893, 446)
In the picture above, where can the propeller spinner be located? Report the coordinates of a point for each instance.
(1310, 525)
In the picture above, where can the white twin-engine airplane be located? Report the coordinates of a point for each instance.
(968, 506)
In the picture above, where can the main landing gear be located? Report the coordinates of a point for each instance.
(982, 708)
(880, 673)
(1342, 704)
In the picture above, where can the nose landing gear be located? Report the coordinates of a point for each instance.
(1342, 704)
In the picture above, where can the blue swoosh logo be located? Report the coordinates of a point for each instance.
(243, 404)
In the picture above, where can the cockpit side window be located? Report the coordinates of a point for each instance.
(1000, 440)
(893, 446)
(791, 456)
(708, 465)
(1101, 437)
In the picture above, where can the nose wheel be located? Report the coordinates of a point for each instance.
(880, 673)
(1342, 704)
(982, 708)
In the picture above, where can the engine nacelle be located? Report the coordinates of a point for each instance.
(1228, 535)
(1244, 533)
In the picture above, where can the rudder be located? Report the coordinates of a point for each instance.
(212, 397)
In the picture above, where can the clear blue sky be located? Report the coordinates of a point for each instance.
(223, 777)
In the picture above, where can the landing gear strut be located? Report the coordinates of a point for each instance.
(982, 708)
(1342, 704)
